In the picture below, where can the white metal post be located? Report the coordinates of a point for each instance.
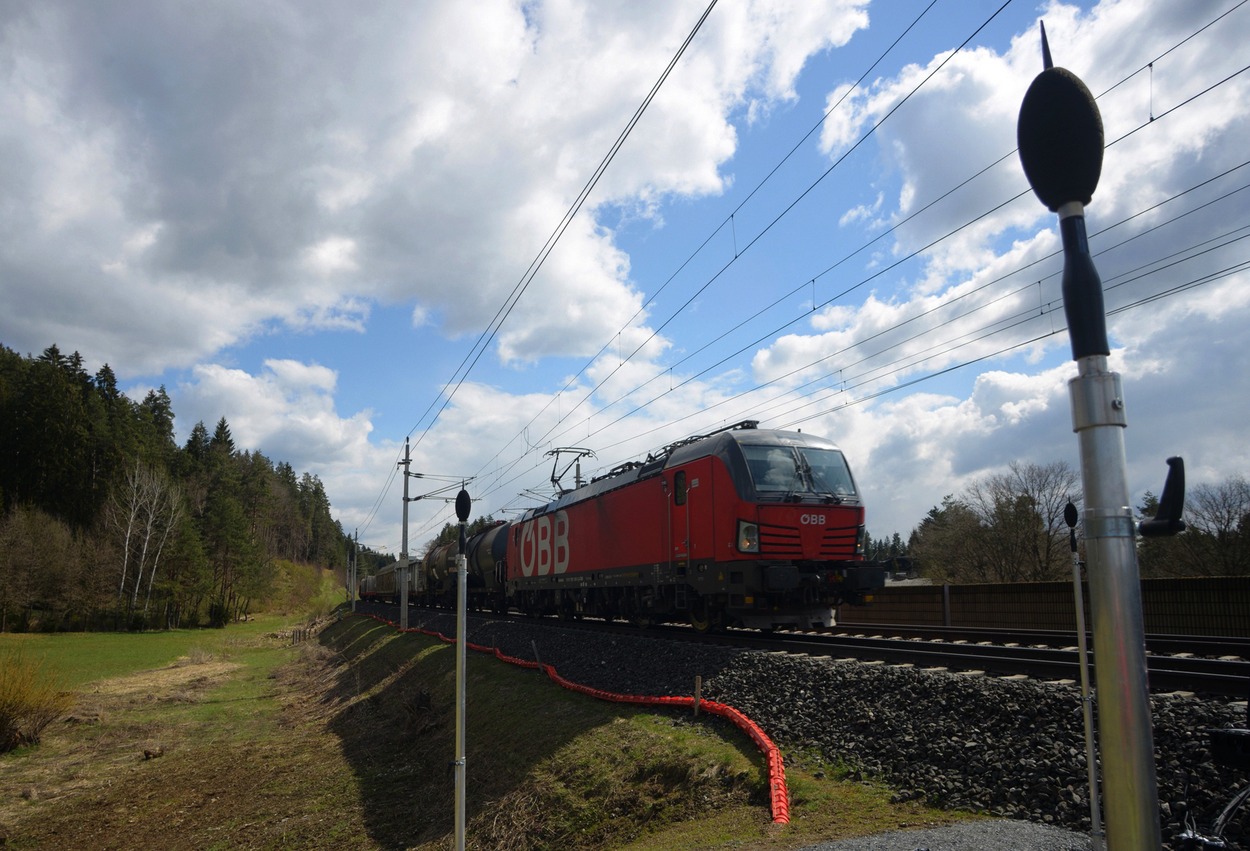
(462, 590)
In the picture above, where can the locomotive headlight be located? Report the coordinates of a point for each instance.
(860, 534)
(748, 537)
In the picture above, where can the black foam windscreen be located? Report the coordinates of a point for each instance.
(1059, 134)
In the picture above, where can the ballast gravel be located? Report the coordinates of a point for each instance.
(1013, 749)
(995, 835)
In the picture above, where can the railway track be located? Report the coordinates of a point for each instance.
(1224, 677)
(1214, 646)
(1190, 666)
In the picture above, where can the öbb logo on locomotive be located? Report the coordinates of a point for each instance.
(544, 546)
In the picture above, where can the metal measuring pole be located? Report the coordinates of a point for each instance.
(1061, 144)
(463, 506)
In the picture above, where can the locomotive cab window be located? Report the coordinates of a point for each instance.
(784, 470)
(679, 487)
(828, 472)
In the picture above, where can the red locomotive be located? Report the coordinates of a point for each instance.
(743, 526)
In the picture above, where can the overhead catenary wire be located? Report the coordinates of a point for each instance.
(501, 315)
(540, 442)
(1130, 133)
(790, 207)
(881, 272)
(1136, 214)
(1050, 309)
(985, 332)
(728, 220)
(738, 253)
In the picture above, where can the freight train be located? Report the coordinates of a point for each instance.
(740, 527)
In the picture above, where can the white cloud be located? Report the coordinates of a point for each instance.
(863, 213)
(179, 188)
(288, 409)
(410, 155)
(334, 254)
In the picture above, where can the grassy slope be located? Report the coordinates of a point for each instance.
(346, 742)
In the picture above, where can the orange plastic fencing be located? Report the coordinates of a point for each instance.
(779, 795)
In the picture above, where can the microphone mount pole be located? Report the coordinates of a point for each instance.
(1061, 145)
(463, 506)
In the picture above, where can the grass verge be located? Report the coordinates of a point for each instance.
(346, 742)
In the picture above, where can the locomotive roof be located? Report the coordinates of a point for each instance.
(772, 437)
(683, 452)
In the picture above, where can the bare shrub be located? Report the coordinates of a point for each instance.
(29, 701)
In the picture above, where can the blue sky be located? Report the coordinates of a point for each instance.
(302, 220)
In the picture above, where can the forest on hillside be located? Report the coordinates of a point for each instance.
(106, 522)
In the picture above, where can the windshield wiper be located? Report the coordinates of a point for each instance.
(814, 483)
(818, 484)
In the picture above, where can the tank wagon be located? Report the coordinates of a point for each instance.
(740, 527)
(485, 554)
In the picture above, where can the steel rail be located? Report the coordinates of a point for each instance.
(1158, 643)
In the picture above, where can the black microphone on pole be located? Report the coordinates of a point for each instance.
(1059, 134)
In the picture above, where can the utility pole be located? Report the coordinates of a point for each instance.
(403, 546)
(463, 507)
(355, 566)
(1060, 139)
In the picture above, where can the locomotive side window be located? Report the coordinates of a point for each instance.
(679, 487)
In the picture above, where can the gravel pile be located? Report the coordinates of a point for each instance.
(1013, 748)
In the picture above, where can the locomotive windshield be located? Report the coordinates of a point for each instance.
(791, 471)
